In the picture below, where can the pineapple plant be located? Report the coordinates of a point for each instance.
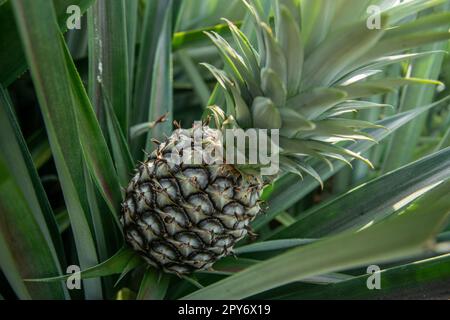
(315, 78)
(184, 217)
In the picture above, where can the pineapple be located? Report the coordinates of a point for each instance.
(183, 217)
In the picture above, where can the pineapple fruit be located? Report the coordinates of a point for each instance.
(184, 217)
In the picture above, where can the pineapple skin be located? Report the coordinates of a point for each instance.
(184, 217)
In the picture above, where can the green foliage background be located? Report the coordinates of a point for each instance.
(69, 143)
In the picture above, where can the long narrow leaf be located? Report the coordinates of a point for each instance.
(408, 233)
(374, 200)
(50, 76)
(24, 249)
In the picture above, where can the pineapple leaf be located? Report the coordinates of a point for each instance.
(384, 241)
(272, 245)
(395, 44)
(291, 44)
(378, 86)
(371, 202)
(153, 285)
(341, 49)
(12, 57)
(124, 258)
(93, 144)
(407, 8)
(135, 262)
(121, 154)
(265, 114)
(275, 59)
(21, 167)
(389, 60)
(153, 22)
(288, 189)
(273, 87)
(247, 51)
(312, 104)
(161, 99)
(54, 86)
(427, 22)
(408, 281)
(109, 76)
(316, 21)
(24, 249)
(294, 122)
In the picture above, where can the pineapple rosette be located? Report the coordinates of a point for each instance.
(182, 217)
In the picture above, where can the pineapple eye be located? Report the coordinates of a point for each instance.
(168, 194)
(144, 197)
(202, 202)
(224, 186)
(151, 221)
(169, 188)
(162, 169)
(176, 215)
(135, 239)
(189, 239)
(164, 249)
(211, 225)
(234, 208)
(202, 256)
(199, 175)
(177, 268)
(224, 242)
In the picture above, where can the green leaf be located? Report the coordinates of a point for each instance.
(312, 104)
(439, 19)
(291, 43)
(407, 8)
(370, 202)
(338, 51)
(401, 148)
(18, 159)
(265, 114)
(131, 18)
(93, 144)
(195, 76)
(393, 45)
(272, 245)
(153, 286)
(294, 122)
(246, 50)
(121, 154)
(288, 189)
(155, 16)
(114, 265)
(161, 89)
(273, 87)
(134, 262)
(316, 21)
(416, 280)
(379, 86)
(230, 266)
(48, 65)
(12, 57)
(108, 60)
(406, 234)
(25, 250)
(185, 39)
(275, 59)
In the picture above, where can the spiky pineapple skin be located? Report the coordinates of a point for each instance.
(184, 217)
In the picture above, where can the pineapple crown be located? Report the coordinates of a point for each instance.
(309, 85)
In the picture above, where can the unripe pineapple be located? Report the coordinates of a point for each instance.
(183, 217)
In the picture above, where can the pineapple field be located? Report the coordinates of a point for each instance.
(212, 149)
